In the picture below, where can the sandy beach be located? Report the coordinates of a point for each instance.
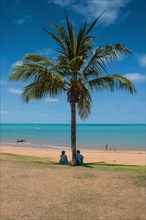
(90, 156)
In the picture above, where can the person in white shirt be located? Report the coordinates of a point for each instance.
(79, 158)
(63, 158)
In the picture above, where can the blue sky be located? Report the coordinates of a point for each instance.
(21, 33)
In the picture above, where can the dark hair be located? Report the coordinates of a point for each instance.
(63, 152)
(78, 151)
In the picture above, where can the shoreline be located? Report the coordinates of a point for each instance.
(62, 147)
(124, 157)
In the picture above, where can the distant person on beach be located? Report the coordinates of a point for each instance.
(63, 158)
(79, 158)
(106, 147)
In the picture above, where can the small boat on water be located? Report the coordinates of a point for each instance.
(20, 140)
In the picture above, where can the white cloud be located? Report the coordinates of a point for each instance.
(135, 77)
(52, 100)
(45, 52)
(92, 9)
(4, 112)
(20, 21)
(15, 91)
(142, 59)
(62, 3)
(18, 63)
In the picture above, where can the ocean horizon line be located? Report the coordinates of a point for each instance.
(70, 123)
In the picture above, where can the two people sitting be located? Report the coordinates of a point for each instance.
(64, 160)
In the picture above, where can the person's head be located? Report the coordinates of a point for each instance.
(78, 152)
(63, 152)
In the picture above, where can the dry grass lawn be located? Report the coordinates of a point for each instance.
(33, 189)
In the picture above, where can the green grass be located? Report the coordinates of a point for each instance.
(27, 160)
(40, 161)
(119, 167)
(136, 173)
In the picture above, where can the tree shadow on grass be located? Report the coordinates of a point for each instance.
(101, 165)
(85, 165)
(47, 162)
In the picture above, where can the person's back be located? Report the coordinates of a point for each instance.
(63, 158)
(79, 158)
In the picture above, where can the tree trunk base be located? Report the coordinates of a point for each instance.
(74, 163)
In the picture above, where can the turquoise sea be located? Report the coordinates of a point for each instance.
(89, 136)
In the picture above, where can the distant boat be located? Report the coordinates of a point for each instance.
(20, 140)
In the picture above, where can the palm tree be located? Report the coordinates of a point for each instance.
(78, 70)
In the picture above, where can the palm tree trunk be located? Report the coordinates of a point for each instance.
(73, 131)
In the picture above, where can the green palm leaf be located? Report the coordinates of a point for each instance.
(42, 87)
(84, 103)
(93, 24)
(111, 82)
(44, 81)
(104, 55)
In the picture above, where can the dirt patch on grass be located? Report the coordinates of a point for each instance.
(60, 193)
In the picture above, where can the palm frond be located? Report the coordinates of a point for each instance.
(62, 42)
(90, 74)
(105, 55)
(27, 72)
(62, 35)
(71, 34)
(36, 58)
(42, 81)
(80, 38)
(112, 82)
(41, 88)
(93, 24)
(84, 103)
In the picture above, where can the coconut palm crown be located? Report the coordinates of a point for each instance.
(78, 70)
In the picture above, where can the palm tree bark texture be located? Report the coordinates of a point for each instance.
(80, 68)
